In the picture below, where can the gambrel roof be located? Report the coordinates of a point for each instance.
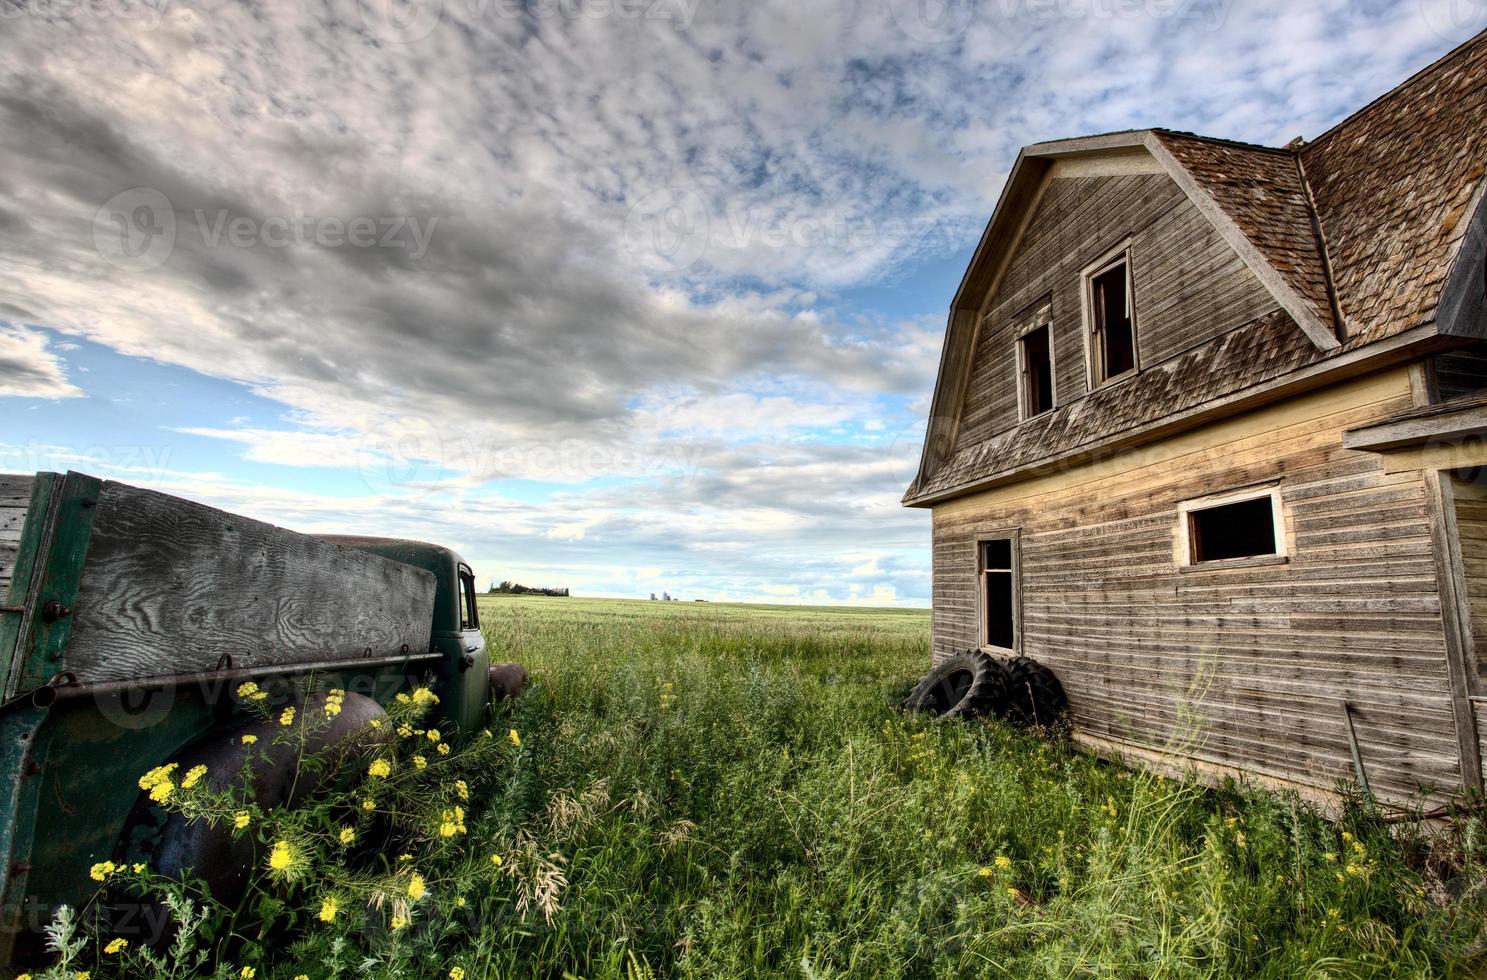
(1372, 231)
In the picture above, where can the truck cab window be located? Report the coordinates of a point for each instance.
(469, 618)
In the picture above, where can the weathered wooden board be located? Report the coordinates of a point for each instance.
(15, 497)
(1190, 286)
(1243, 667)
(170, 586)
(1470, 493)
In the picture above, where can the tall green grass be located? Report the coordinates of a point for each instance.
(726, 791)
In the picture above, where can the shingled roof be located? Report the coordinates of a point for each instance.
(1356, 234)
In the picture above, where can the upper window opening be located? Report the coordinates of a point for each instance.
(1036, 357)
(1112, 328)
(1247, 527)
(469, 617)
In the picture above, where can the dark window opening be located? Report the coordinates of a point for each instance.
(999, 593)
(1242, 530)
(1115, 340)
(469, 618)
(1037, 372)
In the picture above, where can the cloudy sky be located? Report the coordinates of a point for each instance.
(620, 295)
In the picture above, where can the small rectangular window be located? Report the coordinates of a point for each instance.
(469, 618)
(1226, 528)
(1112, 328)
(1036, 358)
(997, 561)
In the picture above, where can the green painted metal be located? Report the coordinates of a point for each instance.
(69, 771)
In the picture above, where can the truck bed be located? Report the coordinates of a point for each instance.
(155, 585)
(15, 497)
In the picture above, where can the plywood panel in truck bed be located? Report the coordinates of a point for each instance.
(168, 586)
(15, 497)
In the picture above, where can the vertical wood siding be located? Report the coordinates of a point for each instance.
(1246, 666)
(1189, 286)
(15, 497)
(1470, 493)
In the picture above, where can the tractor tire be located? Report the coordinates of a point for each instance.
(1035, 698)
(967, 685)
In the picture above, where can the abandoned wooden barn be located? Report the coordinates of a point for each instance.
(1208, 441)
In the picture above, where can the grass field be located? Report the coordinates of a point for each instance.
(710, 790)
(733, 793)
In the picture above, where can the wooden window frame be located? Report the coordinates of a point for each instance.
(1185, 510)
(1094, 354)
(1014, 536)
(1041, 316)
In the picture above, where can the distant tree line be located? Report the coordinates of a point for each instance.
(508, 587)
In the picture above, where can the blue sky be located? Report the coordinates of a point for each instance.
(623, 295)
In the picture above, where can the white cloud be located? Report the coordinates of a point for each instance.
(29, 369)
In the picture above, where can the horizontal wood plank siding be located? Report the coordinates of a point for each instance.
(1243, 666)
(1189, 286)
(15, 497)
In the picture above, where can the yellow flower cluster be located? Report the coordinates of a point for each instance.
(514, 737)
(419, 696)
(157, 782)
(419, 762)
(116, 946)
(333, 701)
(328, 909)
(101, 870)
(456, 973)
(1003, 862)
(282, 856)
(379, 769)
(193, 776)
(416, 887)
(249, 691)
(462, 788)
(240, 819)
(347, 836)
(287, 717)
(249, 739)
(453, 823)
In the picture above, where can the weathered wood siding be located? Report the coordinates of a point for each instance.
(170, 586)
(15, 497)
(1190, 286)
(1470, 493)
(1245, 667)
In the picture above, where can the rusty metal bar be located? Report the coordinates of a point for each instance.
(49, 694)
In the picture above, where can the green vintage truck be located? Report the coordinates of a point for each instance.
(128, 619)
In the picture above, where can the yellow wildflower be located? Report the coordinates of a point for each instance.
(116, 946)
(380, 768)
(287, 718)
(515, 738)
(456, 973)
(423, 695)
(496, 860)
(247, 973)
(459, 902)
(433, 734)
(156, 776)
(348, 834)
(375, 724)
(139, 868)
(419, 762)
(985, 872)
(328, 910)
(249, 739)
(1003, 862)
(462, 788)
(415, 886)
(282, 855)
(240, 819)
(102, 870)
(486, 733)
(369, 804)
(443, 748)
(193, 776)
(398, 922)
(247, 689)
